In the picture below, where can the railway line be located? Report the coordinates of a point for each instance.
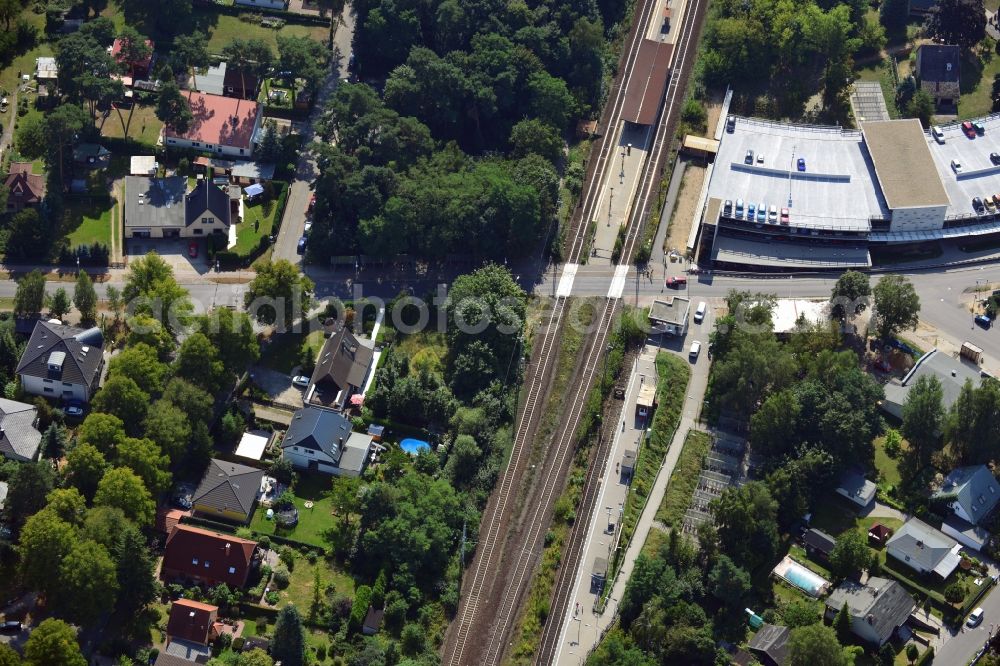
(565, 584)
(486, 611)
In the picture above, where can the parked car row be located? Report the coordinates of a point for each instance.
(973, 128)
(755, 212)
(987, 205)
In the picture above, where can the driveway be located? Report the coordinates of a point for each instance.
(278, 387)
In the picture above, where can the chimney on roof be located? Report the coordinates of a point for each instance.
(948, 66)
(870, 619)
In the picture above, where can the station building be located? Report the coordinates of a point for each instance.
(832, 196)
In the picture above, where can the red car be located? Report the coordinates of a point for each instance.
(193, 249)
(676, 282)
(969, 130)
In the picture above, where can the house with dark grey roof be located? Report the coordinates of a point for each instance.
(62, 362)
(924, 549)
(938, 71)
(770, 645)
(206, 211)
(818, 544)
(321, 440)
(19, 439)
(972, 492)
(154, 207)
(877, 608)
(342, 370)
(227, 491)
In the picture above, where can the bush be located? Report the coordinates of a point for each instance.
(954, 593)
(281, 576)
(287, 555)
(272, 598)
(362, 599)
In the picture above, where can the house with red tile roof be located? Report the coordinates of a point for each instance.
(220, 125)
(26, 189)
(207, 557)
(191, 621)
(138, 69)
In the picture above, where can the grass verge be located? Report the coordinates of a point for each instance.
(673, 373)
(682, 482)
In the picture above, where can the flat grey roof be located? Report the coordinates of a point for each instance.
(802, 254)
(670, 310)
(903, 163)
(835, 191)
(162, 201)
(979, 177)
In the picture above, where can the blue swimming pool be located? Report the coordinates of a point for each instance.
(413, 446)
(801, 577)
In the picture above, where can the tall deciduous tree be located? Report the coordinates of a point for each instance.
(29, 299)
(173, 108)
(150, 288)
(897, 306)
(232, 334)
(85, 467)
(970, 426)
(144, 457)
(121, 488)
(815, 645)
(191, 51)
(304, 58)
(850, 294)
(958, 22)
(141, 364)
(85, 298)
(746, 518)
(53, 642)
(851, 554)
(923, 417)
(87, 583)
(28, 486)
(170, 428)
(59, 303)
(123, 398)
(45, 541)
(278, 294)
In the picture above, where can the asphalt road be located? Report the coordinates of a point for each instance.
(293, 220)
(963, 645)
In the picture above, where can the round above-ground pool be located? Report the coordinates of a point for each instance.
(413, 446)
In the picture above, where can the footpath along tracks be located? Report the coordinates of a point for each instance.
(564, 588)
(472, 614)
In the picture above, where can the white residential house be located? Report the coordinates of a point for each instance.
(321, 440)
(62, 362)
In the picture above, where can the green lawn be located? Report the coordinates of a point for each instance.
(834, 518)
(300, 584)
(283, 353)
(880, 72)
(144, 127)
(977, 87)
(426, 351)
(313, 522)
(672, 373)
(222, 29)
(258, 222)
(85, 223)
(684, 479)
(887, 466)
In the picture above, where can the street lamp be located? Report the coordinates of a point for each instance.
(611, 198)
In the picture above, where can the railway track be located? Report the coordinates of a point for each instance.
(567, 576)
(473, 612)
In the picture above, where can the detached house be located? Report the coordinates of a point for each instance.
(971, 492)
(321, 440)
(938, 72)
(19, 438)
(161, 208)
(924, 549)
(227, 491)
(207, 557)
(342, 370)
(25, 188)
(62, 362)
(877, 608)
(221, 125)
(190, 628)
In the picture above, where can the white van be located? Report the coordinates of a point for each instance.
(937, 134)
(699, 314)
